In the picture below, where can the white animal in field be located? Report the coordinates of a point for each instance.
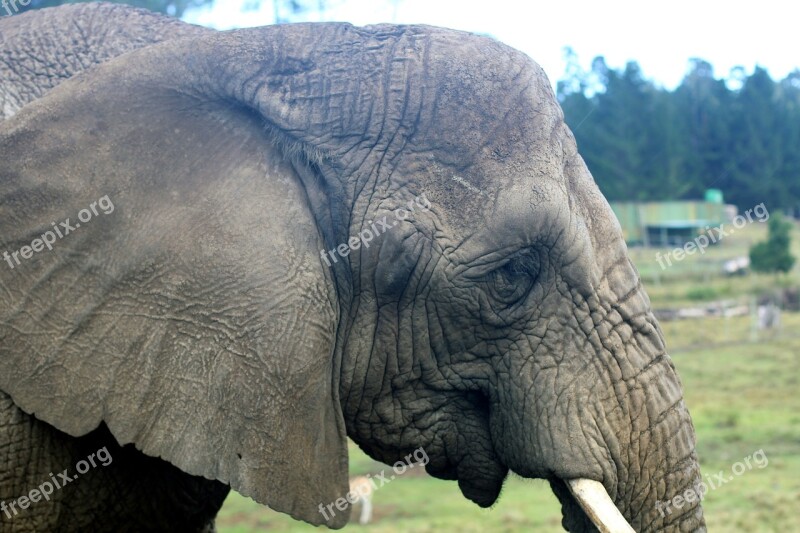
(361, 489)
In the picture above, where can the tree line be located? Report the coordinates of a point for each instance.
(642, 142)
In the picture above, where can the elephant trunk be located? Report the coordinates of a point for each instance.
(649, 436)
(625, 393)
(662, 466)
(646, 425)
(653, 461)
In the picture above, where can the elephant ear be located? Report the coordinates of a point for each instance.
(162, 274)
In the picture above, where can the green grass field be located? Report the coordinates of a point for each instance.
(742, 392)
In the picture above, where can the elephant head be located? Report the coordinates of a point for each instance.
(493, 318)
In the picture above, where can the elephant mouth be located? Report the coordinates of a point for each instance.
(586, 506)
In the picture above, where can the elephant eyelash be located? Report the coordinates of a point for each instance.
(510, 282)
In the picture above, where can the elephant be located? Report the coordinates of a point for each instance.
(224, 253)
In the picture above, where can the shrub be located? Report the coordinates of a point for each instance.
(773, 254)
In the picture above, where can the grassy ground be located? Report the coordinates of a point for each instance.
(742, 391)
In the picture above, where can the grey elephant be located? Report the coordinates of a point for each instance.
(224, 253)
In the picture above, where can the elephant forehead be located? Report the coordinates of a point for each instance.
(345, 90)
(484, 101)
(440, 110)
(489, 123)
(521, 190)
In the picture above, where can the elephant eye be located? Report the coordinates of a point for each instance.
(509, 283)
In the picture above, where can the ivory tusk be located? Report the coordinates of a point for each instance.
(597, 505)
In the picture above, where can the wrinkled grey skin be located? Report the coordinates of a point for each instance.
(42, 49)
(503, 328)
(38, 51)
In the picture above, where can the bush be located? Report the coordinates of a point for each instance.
(773, 254)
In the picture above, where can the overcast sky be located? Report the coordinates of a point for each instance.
(661, 37)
